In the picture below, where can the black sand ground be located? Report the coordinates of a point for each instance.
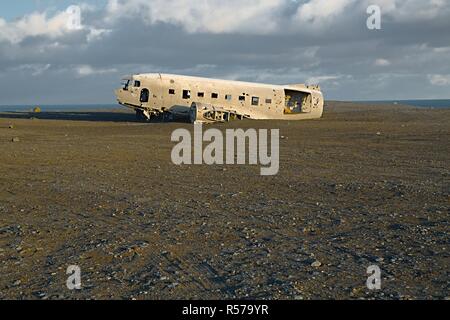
(362, 186)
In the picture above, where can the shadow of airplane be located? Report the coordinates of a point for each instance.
(97, 116)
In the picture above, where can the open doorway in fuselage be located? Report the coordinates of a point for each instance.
(297, 102)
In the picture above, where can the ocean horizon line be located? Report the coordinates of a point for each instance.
(425, 103)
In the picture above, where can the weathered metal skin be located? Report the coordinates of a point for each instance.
(204, 113)
(213, 100)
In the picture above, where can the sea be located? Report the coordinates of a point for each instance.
(436, 104)
(64, 107)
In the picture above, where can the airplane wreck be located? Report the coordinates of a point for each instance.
(206, 100)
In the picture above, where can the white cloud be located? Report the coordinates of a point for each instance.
(318, 12)
(281, 76)
(382, 62)
(439, 79)
(441, 49)
(212, 16)
(87, 70)
(217, 16)
(321, 79)
(412, 10)
(35, 24)
(40, 24)
(35, 69)
(95, 34)
(265, 16)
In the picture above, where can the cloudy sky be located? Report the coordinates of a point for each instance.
(46, 58)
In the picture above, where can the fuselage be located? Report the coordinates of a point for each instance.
(156, 93)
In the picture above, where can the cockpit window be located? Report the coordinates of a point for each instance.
(125, 84)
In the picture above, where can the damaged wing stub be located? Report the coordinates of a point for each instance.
(168, 96)
(207, 113)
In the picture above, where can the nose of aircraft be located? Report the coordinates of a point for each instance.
(117, 92)
(120, 95)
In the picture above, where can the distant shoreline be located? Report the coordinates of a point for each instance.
(435, 104)
(421, 103)
(62, 107)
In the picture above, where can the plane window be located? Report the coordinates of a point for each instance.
(200, 94)
(255, 101)
(241, 98)
(171, 91)
(228, 97)
(268, 101)
(137, 84)
(125, 84)
(186, 94)
(144, 95)
(214, 95)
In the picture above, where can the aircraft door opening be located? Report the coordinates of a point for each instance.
(297, 102)
(145, 94)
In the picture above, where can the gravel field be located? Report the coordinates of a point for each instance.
(365, 185)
